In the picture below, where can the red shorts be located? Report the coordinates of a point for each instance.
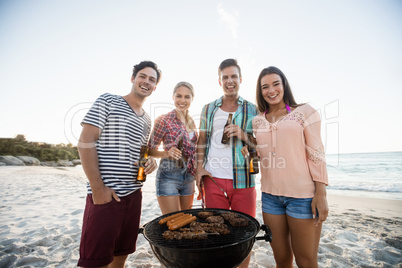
(109, 230)
(243, 200)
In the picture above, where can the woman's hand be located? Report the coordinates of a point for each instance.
(244, 151)
(174, 153)
(320, 203)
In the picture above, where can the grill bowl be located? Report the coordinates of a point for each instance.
(216, 251)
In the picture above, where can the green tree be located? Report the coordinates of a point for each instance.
(43, 151)
(20, 137)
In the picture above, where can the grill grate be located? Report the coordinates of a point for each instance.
(153, 232)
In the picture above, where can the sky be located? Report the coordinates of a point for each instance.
(342, 57)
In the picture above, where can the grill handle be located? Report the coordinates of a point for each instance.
(267, 236)
(142, 228)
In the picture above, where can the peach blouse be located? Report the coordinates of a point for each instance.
(291, 153)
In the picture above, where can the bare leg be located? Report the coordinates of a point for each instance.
(118, 262)
(246, 262)
(186, 201)
(169, 204)
(281, 245)
(305, 241)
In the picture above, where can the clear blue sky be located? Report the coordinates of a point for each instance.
(343, 57)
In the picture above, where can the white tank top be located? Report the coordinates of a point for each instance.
(219, 160)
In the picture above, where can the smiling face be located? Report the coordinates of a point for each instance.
(230, 81)
(144, 83)
(182, 98)
(272, 89)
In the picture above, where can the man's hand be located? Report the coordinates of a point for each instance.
(233, 130)
(103, 195)
(150, 166)
(201, 172)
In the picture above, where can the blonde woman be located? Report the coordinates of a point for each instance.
(175, 185)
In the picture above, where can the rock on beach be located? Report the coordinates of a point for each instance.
(11, 160)
(29, 160)
(8, 160)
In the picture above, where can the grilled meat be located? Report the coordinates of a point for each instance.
(205, 214)
(220, 228)
(237, 222)
(229, 215)
(184, 233)
(234, 219)
(215, 219)
(171, 217)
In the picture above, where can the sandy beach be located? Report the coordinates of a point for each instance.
(41, 216)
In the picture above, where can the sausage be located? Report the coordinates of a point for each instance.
(178, 219)
(166, 219)
(182, 223)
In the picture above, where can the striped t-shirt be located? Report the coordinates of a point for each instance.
(119, 144)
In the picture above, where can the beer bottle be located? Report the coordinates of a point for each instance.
(141, 176)
(253, 157)
(180, 162)
(225, 137)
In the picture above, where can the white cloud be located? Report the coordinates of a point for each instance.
(231, 20)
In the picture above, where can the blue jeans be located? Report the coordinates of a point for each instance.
(172, 181)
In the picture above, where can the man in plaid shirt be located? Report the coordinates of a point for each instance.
(221, 169)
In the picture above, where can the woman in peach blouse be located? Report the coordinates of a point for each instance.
(293, 170)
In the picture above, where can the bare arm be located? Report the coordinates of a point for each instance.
(157, 154)
(200, 150)
(320, 203)
(173, 153)
(89, 160)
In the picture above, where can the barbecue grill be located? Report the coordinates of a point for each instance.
(215, 251)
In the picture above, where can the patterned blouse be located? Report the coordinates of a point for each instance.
(169, 129)
(292, 155)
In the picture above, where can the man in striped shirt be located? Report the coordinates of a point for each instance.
(114, 129)
(222, 168)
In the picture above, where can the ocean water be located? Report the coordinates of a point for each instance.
(377, 175)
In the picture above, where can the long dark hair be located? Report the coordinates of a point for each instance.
(287, 94)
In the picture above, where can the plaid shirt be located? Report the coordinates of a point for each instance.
(243, 117)
(168, 128)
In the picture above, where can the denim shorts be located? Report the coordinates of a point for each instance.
(173, 181)
(299, 208)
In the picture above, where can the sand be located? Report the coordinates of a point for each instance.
(41, 215)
